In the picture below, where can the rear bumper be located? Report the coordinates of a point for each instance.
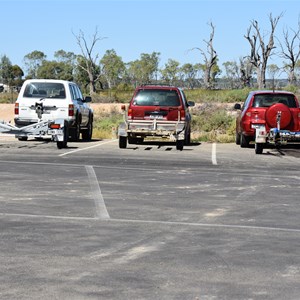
(21, 122)
(154, 128)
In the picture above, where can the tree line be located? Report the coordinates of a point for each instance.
(96, 73)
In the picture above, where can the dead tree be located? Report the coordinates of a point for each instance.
(89, 62)
(291, 52)
(260, 51)
(210, 58)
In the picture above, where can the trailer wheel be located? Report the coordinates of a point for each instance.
(259, 147)
(64, 143)
(179, 145)
(122, 142)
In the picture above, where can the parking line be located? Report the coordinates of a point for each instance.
(214, 154)
(82, 149)
(101, 211)
(157, 222)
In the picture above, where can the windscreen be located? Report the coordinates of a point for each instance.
(156, 98)
(267, 100)
(45, 90)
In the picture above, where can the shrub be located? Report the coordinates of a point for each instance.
(212, 123)
(106, 125)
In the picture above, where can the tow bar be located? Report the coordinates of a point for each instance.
(276, 136)
(57, 129)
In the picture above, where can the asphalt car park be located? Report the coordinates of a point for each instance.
(93, 221)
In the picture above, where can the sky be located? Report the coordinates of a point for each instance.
(132, 27)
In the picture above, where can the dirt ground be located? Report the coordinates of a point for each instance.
(7, 110)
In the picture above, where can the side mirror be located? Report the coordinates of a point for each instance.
(237, 106)
(191, 103)
(123, 107)
(87, 99)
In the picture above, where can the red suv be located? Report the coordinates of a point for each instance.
(157, 111)
(262, 108)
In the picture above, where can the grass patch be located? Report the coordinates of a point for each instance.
(106, 124)
(213, 123)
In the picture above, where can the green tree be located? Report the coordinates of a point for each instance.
(144, 70)
(33, 61)
(6, 70)
(17, 73)
(171, 72)
(55, 70)
(112, 67)
(273, 70)
(189, 73)
(66, 57)
(232, 73)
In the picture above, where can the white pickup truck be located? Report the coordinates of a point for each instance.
(51, 108)
(48, 100)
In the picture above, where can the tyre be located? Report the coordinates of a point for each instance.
(87, 133)
(179, 145)
(122, 142)
(244, 141)
(237, 138)
(187, 139)
(23, 138)
(75, 133)
(259, 148)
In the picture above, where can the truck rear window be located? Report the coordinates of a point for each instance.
(45, 90)
(267, 100)
(156, 98)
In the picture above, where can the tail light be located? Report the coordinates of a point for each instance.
(16, 108)
(182, 115)
(54, 126)
(129, 113)
(71, 110)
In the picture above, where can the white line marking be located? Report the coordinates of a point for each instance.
(156, 222)
(101, 211)
(214, 154)
(82, 149)
(47, 217)
(210, 225)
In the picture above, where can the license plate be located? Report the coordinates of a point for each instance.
(55, 131)
(156, 117)
(257, 126)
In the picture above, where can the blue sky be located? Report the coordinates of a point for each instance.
(171, 27)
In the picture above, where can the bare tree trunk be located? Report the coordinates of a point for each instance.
(260, 51)
(89, 64)
(210, 60)
(291, 52)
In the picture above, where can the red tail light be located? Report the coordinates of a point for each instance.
(71, 110)
(54, 126)
(129, 113)
(182, 115)
(16, 108)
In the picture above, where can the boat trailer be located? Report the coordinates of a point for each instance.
(56, 129)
